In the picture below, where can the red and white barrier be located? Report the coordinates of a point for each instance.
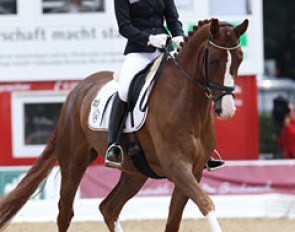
(241, 189)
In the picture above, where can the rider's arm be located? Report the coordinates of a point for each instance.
(171, 16)
(126, 28)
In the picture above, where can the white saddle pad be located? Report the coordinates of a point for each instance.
(98, 119)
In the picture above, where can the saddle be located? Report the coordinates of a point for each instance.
(139, 94)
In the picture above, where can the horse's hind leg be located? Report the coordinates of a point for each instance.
(177, 204)
(72, 172)
(112, 205)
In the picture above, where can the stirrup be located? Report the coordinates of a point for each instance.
(211, 169)
(113, 164)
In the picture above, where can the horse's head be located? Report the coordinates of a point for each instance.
(222, 58)
(210, 59)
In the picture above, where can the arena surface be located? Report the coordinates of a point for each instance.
(228, 225)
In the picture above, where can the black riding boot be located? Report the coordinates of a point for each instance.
(114, 155)
(214, 164)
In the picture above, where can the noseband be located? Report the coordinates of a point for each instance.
(209, 85)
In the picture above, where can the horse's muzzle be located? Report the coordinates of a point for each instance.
(225, 108)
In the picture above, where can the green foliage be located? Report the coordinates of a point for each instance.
(279, 35)
(267, 144)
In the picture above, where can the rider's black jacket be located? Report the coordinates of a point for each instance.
(138, 19)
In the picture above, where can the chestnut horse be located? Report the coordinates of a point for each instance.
(177, 138)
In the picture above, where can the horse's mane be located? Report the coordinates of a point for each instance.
(191, 33)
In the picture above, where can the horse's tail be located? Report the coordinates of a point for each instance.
(15, 200)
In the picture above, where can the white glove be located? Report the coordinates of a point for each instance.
(158, 41)
(177, 40)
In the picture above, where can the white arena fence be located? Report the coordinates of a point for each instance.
(243, 189)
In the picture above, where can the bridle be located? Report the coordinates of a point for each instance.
(208, 85)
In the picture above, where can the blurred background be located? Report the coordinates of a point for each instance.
(48, 46)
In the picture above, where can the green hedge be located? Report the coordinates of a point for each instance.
(266, 133)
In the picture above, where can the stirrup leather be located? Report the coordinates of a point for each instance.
(112, 163)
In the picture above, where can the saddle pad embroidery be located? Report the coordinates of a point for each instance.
(133, 1)
(98, 119)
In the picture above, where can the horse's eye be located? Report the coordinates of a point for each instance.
(214, 62)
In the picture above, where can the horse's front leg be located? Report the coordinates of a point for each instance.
(177, 204)
(112, 205)
(181, 173)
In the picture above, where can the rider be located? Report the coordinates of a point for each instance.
(141, 22)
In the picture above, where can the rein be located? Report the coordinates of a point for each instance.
(208, 85)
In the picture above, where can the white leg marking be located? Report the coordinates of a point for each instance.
(213, 223)
(118, 227)
(227, 102)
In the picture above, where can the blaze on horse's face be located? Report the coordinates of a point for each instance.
(224, 59)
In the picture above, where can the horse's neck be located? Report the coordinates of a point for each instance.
(184, 100)
(191, 59)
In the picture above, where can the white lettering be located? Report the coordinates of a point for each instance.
(13, 88)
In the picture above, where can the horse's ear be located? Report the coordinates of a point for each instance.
(242, 28)
(214, 28)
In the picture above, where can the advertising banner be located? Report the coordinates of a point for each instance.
(231, 180)
(11, 176)
(237, 178)
(50, 40)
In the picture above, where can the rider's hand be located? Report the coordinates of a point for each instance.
(177, 40)
(158, 41)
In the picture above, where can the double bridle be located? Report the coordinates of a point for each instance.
(208, 85)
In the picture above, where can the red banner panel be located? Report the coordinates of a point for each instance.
(238, 138)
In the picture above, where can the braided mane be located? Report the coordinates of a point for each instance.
(191, 33)
(196, 27)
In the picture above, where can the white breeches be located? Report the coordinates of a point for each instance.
(133, 63)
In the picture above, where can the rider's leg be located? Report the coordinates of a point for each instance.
(215, 164)
(134, 62)
(113, 158)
